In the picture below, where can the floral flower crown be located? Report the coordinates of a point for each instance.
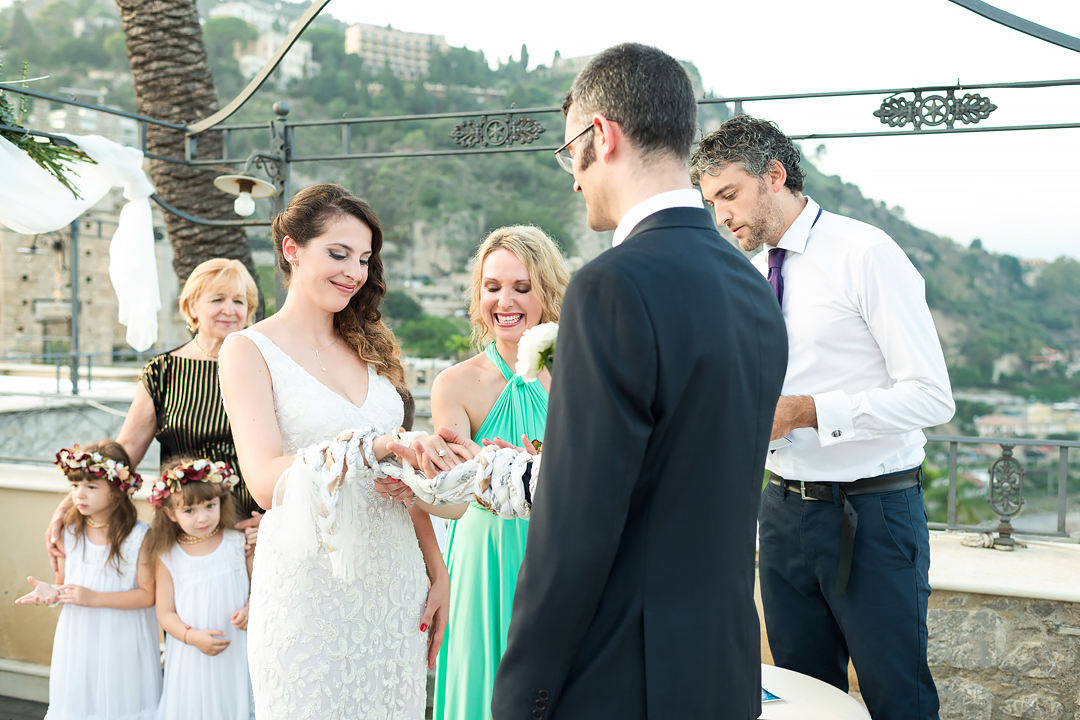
(97, 465)
(172, 481)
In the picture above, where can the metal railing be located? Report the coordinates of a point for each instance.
(1005, 486)
(75, 361)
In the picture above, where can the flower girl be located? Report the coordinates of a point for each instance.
(106, 661)
(202, 593)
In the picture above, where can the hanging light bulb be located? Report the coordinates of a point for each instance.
(246, 188)
(244, 205)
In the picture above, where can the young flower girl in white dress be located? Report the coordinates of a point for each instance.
(202, 593)
(106, 661)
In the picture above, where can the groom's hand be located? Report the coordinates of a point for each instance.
(526, 444)
(792, 412)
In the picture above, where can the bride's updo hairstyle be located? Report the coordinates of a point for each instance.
(360, 322)
(548, 273)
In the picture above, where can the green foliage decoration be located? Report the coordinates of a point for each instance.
(55, 159)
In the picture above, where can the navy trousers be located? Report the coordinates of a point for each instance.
(879, 622)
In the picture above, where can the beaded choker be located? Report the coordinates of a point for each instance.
(186, 539)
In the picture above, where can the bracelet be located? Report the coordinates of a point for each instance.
(186, 628)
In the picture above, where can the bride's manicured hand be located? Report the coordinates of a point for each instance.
(394, 490)
(42, 594)
(435, 616)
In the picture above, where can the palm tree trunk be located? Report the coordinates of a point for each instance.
(173, 82)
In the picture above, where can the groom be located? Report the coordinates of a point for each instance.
(635, 598)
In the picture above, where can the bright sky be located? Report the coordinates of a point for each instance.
(1015, 190)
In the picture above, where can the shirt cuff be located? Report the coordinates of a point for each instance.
(834, 422)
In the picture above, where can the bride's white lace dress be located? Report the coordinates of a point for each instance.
(320, 647)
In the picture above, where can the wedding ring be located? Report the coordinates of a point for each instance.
(441, 453)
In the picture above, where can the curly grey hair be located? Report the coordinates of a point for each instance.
(753, 142)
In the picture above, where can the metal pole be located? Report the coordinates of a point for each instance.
(74, 349)
(281, 147)
(953, 480)
(1063, 480)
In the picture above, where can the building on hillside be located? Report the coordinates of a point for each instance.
(83, 121)
(445, 297)
(1034, 420)
(36, 298)
(297, 64)
(999, 426)
(569, 65)
(408, 55)
(258, 15)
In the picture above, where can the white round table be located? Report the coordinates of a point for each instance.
(806, 698)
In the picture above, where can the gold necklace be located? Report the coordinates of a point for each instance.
(94, 524)
(204, 352)
(186, 539)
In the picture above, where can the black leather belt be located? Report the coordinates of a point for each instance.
(821, 491)
(864, 486)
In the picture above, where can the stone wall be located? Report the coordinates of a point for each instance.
(999, 658)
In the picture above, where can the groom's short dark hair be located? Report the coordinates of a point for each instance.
(643, 89)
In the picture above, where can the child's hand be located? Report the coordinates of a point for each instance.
(250, 528)
(42, 594)
(76, 595)
(208, 642)
(239, 618)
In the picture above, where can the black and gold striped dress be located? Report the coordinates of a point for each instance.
(191, 419)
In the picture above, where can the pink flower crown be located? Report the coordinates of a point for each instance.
(172, 481)
(97, 465)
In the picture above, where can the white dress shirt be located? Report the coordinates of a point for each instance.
(862, 343)
(689, 197)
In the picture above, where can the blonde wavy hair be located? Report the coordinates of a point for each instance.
(360, 322)
(217, 273)
(548, 273)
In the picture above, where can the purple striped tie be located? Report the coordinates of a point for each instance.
(776, 260)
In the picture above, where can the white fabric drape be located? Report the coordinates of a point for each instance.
(33, 201)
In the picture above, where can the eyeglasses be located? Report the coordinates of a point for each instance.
(563, 156)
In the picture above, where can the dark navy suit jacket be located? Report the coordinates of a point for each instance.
(635, 599)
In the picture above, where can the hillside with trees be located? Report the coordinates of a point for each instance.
(990, 307)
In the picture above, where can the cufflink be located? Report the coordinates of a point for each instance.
(836, 433)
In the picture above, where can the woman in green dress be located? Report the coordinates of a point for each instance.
(518, 281)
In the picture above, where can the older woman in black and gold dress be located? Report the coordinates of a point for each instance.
(178, 399)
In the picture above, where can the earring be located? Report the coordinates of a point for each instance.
(192, 326)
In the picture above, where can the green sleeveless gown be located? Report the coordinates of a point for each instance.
(483, 555)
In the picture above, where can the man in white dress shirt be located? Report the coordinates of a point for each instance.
(844, 547)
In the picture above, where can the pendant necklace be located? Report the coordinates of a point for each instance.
(319, 357)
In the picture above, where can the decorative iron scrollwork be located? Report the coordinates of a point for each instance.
(934, 110)
(1006, 493)
(496, 132)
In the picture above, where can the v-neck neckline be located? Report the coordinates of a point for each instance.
(316, 380)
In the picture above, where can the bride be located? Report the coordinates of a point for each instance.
(320, 645)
